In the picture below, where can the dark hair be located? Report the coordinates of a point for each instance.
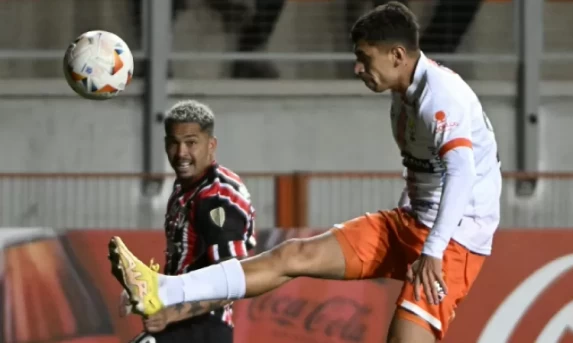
(392, 22)
(191, 111)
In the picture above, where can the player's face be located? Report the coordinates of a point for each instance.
(189, 150)
(376, 65)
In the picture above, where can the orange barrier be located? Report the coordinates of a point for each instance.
(58, 288)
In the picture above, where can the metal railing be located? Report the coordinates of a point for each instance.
(281, 200)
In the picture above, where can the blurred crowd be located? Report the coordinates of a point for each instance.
(448, 24)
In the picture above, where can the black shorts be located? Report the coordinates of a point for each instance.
(209, 330)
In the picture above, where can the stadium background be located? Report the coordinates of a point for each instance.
(312, 145)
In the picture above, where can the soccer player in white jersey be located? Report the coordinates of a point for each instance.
(435, 241)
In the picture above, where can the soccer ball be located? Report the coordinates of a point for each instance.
(98, 65)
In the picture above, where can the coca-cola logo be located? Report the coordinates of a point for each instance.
(337, 318)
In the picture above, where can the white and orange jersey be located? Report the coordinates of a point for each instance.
(452, 170)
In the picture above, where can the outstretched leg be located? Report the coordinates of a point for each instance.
(375, 245)
(357, 249)
(319, 257)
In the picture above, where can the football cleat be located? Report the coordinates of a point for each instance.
(140, 282)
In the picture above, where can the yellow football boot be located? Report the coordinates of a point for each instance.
(139, 281)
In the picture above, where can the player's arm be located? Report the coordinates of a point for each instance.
(227, 230)
(184, 311)
(181, 311)
(451, 127)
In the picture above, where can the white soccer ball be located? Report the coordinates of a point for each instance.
(98, 65)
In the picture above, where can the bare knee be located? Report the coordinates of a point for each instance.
(319, 256)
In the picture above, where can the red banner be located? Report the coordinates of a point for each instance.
(57, 288)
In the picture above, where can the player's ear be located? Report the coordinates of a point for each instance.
(212, 144)
(398, 54)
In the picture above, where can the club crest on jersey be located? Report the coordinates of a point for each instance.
(218, 216)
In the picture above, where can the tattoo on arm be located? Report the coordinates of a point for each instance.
(192, 309)
(179, 307)
(202, 307)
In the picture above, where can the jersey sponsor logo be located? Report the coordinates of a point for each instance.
(424, 205)
(445, 126)
(442, 125)
(422, 165)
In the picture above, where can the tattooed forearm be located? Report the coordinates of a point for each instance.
(192, 309)
(201, 307)
(179, 307)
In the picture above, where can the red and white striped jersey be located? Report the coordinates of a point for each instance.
(208, 222)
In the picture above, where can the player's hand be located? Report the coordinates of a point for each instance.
(426, 272)
(156, 322)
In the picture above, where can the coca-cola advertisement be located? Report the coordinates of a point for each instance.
(56, 287)
(322, 311)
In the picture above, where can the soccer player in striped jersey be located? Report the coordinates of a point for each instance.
(209, 219)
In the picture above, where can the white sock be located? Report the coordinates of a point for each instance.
(221, 281)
